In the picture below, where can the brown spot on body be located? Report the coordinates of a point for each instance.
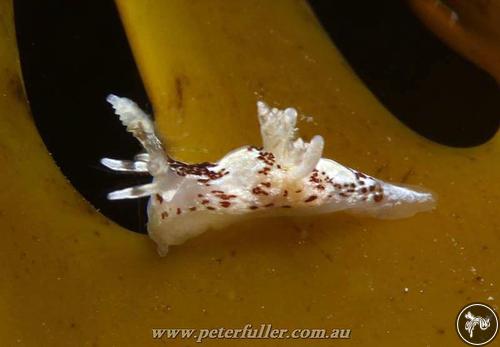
(286, 206)
(285, 193)
(179, 210)
(269, 205)
(201, 169)
(225, 204)
(264, 171)
(164, 215)
(311, 198)
(253, 207)
(378, 197)
(266, 157)
(314, 178)
(259, 191)
(359, 175)
(159, 198)
(226, 196)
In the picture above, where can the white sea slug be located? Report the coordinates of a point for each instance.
(287, 176)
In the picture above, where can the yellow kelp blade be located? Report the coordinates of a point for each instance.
(73, 278)
(470, 27)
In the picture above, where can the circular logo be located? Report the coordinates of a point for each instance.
(477, 324)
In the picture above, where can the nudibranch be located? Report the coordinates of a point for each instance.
(286, 176)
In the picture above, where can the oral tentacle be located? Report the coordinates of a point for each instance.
(134, 192)
(125, 165)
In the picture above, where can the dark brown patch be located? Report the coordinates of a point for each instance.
(16, 88)
(380, 168)
(327, 255)
(180, 82)
(407, 175)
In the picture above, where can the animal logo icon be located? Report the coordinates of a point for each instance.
(473, 321)
(477, 324)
